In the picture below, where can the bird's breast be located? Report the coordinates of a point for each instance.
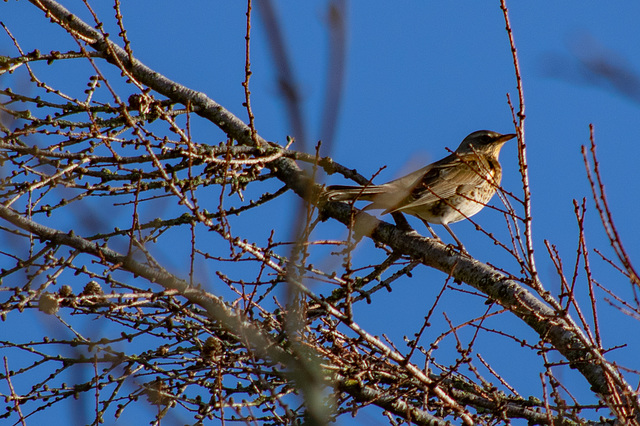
(494, 171)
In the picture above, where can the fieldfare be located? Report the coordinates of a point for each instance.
(444, 192)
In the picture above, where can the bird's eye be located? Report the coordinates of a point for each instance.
(485, 139)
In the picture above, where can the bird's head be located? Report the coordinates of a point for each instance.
(483, 142)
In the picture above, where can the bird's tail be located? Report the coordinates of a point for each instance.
(345, 192)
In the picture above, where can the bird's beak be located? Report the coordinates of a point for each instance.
(505, 138)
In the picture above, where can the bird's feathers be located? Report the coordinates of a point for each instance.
(449, 190)
(437, 181)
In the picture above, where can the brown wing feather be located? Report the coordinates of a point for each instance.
(443, 181)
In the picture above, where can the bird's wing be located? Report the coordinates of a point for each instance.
(440, 180)
(392, 194)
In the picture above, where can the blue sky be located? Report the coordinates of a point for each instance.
(419, 77)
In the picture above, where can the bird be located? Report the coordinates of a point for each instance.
(447, 191)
